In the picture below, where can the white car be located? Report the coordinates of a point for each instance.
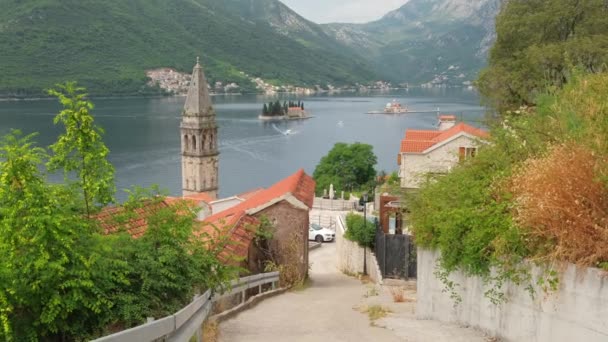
(320, 234)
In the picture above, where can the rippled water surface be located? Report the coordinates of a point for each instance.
(143, 134)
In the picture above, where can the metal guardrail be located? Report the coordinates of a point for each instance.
(187, 322)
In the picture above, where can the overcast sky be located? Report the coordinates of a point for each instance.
(344, 11)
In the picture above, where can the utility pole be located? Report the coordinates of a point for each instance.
(365, 230)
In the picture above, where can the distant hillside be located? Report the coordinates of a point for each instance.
(107, 45)
(445, 41)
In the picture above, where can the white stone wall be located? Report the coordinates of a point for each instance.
(350, 255)
(414, 167)
(578, 311)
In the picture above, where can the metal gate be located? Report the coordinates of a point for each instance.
(396, 255)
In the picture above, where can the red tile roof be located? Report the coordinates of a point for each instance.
(234, 221)
(247, 195)
(202, 197)
(418, 141)
(111, 219)
(447, 118)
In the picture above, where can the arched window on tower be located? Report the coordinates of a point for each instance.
(194, 143)
(203, 142)
(211, 145)
(186, 143)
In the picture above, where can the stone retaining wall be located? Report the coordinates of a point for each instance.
(350, 255)
(578, 311)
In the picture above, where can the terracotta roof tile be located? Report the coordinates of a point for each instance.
(247, 195)
(234, 221)
(203, 197)
(135, 224)
(418, 141)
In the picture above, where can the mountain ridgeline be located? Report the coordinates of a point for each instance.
(108, 45)
(437, 41)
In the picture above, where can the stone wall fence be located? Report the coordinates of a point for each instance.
(577, 311)
(350, 254)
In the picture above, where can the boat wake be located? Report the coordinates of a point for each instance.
(286, 132)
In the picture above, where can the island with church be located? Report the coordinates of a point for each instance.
(288, 110)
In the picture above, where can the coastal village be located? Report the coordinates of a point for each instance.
(383, 218)
(177, 83)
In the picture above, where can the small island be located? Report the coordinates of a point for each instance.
(286, 111)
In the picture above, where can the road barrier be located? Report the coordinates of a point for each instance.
(188, 322)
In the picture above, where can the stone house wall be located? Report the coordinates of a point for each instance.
(414, 167)
(291, 232)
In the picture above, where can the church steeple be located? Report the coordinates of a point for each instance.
(200, 155)
(198, 102)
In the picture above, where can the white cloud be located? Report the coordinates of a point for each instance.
(347, 11)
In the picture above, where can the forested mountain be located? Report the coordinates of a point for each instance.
(107, 45)
(425, 40)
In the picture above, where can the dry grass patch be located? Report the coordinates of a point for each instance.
(399, 296)
(211, 331)
(374, 312)
(563, 204)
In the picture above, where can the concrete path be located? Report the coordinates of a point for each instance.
(331, 310)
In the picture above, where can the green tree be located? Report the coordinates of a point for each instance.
(538, 43)
(55, 283)
(80, 149)
(347, 167)
(360, 230)
(174, 259)
(265, 109)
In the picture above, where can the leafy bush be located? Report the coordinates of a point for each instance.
(538, 191)
(360, 231)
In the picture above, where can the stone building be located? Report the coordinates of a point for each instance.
(200, 155)
(426, 152)
(286, 206)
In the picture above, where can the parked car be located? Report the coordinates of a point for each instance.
(320, 234)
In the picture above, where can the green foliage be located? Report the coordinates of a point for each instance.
(170, 263)
(360, 231)
(112, 43)
(469, 214)
(538, 43)
(55, 281)
(347, 167)
(60, 280)
(80, 149)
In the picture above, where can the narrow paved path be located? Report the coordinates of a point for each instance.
(329, 311)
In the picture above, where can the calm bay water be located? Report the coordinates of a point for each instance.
(143, 134)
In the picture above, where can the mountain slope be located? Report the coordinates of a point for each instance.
(107, 46)
(442, 40)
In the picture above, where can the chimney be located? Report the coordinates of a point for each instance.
(446, 122)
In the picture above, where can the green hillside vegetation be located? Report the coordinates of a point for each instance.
(539, 42)
(107, 46)
(539, 191)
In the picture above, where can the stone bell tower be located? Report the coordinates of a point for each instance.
(200, 155)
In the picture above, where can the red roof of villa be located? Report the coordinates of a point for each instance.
(418, 141)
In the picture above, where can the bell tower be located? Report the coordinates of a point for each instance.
(200, 155)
